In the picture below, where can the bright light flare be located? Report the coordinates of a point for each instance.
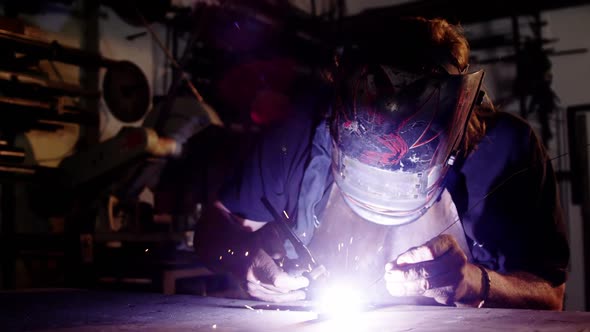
(340, 300)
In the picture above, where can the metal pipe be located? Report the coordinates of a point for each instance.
(51, 50)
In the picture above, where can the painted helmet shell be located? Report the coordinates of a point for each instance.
(393, 132)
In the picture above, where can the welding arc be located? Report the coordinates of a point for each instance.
(496, 188)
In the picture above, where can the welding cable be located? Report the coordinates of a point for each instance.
(282, 223)
(170, 57)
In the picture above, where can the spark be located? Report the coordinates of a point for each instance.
(214, 326)
(304, 234)
(237, 25)
(228, 251)
(147, 250)
(285, 213)
(248, 307)
(280, 264)
(220, 257)
(380, 248)
(246, 254)
(232, 252)
(351, 240)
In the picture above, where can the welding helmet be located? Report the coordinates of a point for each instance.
(395, 133)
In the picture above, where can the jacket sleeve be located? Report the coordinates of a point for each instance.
(273, 169)
(513, 214)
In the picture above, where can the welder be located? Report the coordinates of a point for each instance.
(410, 183)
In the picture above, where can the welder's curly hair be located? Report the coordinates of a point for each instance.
(420, 45)
(449, 41)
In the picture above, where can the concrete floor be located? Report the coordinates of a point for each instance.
(76, 310)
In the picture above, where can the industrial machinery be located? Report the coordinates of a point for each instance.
(66, 189)
(92, 190)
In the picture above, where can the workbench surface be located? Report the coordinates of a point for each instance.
(77, 310)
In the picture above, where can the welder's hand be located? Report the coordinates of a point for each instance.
(438, 269)
(266, 281)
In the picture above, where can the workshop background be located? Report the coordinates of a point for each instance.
(95, 194)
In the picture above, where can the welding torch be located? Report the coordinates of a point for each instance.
(313, 270)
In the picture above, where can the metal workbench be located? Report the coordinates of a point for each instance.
(76, 310)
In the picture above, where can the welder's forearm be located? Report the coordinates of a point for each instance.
(523, 290)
